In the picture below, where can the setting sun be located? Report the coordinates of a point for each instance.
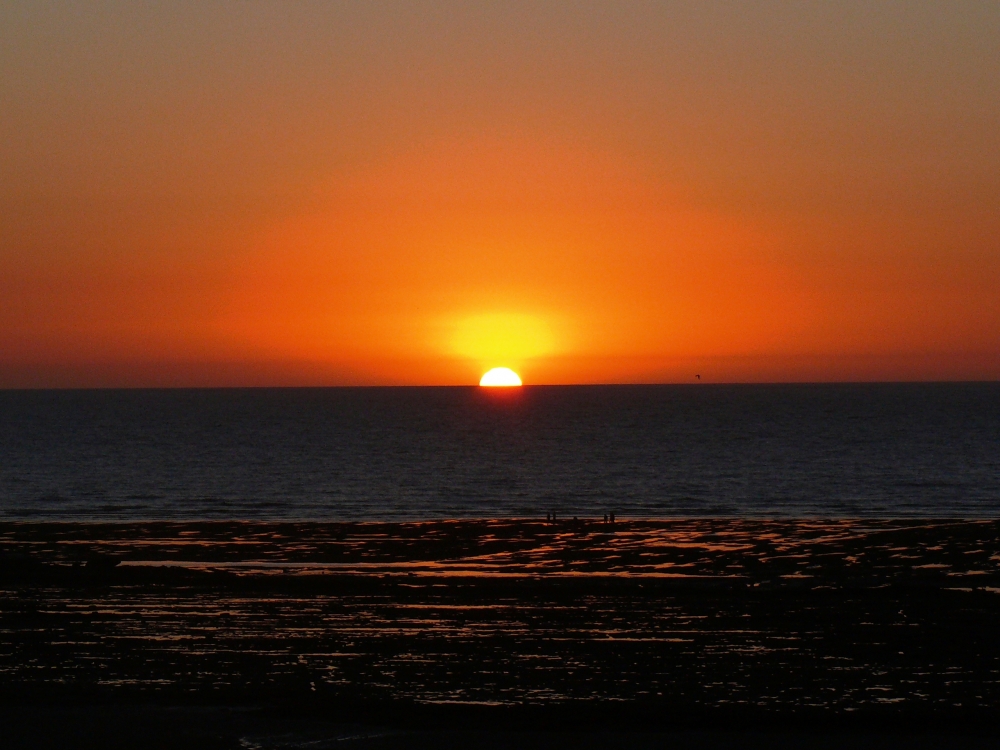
(500, 377)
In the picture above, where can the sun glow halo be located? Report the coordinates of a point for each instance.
(500, 377)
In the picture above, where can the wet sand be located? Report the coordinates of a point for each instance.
(642, 627)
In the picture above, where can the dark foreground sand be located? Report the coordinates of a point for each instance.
(707, 633)
(224, 728)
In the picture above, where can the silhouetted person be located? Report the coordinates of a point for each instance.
(612, 518)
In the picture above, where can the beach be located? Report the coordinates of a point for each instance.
(647, 626)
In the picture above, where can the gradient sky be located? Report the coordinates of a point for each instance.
(319, 193)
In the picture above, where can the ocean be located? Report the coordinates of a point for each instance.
(408, 454)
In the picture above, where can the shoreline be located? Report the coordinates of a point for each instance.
(842, 626)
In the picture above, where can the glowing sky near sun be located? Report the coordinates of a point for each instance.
(368, 193)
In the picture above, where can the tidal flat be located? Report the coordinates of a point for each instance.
(533, 625)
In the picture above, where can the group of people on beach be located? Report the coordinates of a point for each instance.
(609, 518)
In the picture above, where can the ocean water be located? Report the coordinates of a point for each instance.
(832, 451)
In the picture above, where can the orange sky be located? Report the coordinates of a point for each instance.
(412, 193)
